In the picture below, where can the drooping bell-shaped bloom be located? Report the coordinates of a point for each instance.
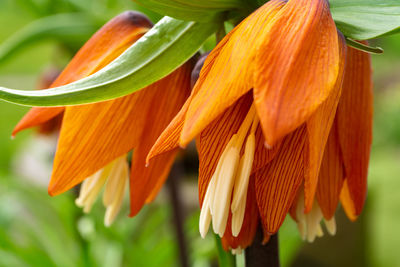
(281, 112)
(95, 138)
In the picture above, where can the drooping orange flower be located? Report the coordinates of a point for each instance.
(95, 138)
(281, 112)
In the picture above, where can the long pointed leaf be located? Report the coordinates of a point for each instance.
(191, 10)
(366, 19)
(164, 48)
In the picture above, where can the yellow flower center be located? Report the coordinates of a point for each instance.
(230, 181)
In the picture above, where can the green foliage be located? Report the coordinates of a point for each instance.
(192, 10)
(164, 48)
(69, 28)
(366, 19)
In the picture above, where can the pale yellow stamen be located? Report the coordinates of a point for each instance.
(238, 206)
(238, 218)
(223, 190)
(90, 190)
(115, 189)
(116, 174)
(331, 226)
(217, 172)
(231, 172)
(309, 225)
(205, 214)
(242, 179)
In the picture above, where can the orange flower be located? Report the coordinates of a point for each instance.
(263, 113)
(95, 138)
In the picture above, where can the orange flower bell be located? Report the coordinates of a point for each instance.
(281, 113)
(95, 138)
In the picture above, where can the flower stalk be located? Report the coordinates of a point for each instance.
(260, 254)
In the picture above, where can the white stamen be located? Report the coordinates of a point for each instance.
(320, 233)
(238, 206)
(90, 190)
(217, 171)
(205, 213)
(309, 225)
(244, 171)
(224, 186)
(115, 188)
(238, 218)
(231, 172)
(116, 174)
(331, 225)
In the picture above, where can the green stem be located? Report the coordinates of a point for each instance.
(225, 259)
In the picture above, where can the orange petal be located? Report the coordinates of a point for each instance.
(278, 182)
(102, 48)
(214, 138)
(297, 66)
(355, 113)
(95, 134)
(331, 176)
(169, 138)
(171, 93)
(347, 202)
(263, 155)
(227, 73)
(250, 223)
(35, 117)
(318, 128)
(146, 182)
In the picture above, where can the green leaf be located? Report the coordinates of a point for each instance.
(364, 48)
(192, 10)
(63, 27)
(160, 51)
(366, 19)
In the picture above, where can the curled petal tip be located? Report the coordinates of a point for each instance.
(137, 19)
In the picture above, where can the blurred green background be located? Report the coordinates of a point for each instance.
(37, 230)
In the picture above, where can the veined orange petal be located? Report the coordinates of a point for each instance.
(102, 48)
(297, 66)
(355, 114)
(263, 155)
(93, 135)
(250, 223)
(318, 128)
(146, 182)
(169, 138)
(170, 95)
(35, 117)
(331, 176)
(347, 202)
(227, 73)
(278, 182)
(214, 138)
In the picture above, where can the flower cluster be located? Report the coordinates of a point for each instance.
(281, 114)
